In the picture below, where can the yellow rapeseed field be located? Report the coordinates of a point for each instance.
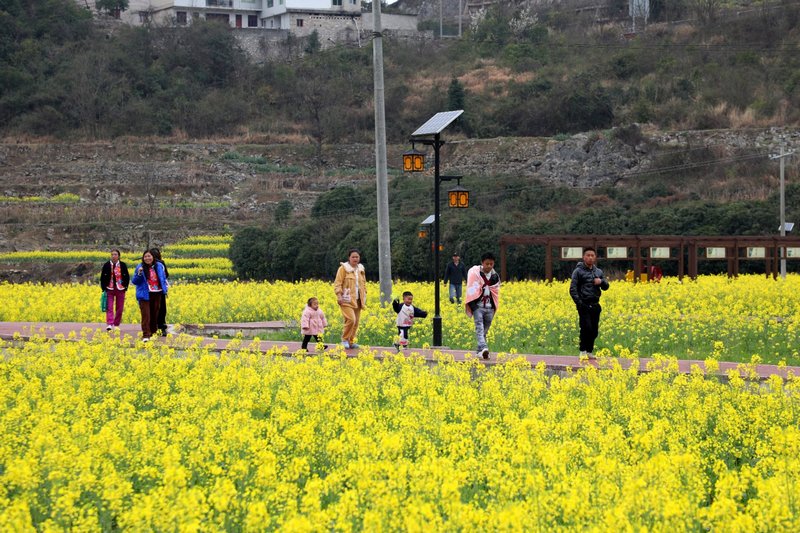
(203, 257)
(746, 316)
(103, 435)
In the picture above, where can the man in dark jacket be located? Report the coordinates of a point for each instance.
(585, 289)
(456, 274)
(114, 279)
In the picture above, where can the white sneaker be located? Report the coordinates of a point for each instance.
(590, 355)
(108, 328)
(583, 353)
(485, 353)
(146, 339)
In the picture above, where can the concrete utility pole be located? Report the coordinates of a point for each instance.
(382, 179)
(783, 215)
(441, 24)
(460, 16)
(782, 156)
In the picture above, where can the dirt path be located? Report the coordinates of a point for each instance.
(558, 364)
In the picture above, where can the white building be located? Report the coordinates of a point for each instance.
(299, 16)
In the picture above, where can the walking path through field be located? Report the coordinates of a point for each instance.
(554, 363)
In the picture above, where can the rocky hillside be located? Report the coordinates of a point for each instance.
(128, 193)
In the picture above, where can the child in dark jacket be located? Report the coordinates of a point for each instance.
(406, 313)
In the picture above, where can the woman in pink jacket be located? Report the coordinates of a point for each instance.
(312, 323)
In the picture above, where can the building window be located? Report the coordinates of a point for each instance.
(252, 21)
(219, 17)
(180, 17)
(269, 3)
(337, 2)
(299, 23)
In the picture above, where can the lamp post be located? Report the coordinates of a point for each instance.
(425, 232)
(429, 134)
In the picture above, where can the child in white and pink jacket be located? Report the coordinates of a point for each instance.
(312, 323)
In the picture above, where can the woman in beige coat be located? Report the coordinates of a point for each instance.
(351, 294)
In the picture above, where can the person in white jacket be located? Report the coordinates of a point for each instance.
(406, 313)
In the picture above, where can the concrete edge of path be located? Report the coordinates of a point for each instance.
(558, 364)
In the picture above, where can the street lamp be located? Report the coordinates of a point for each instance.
(458, 197)
(425, 231)
(429, 134)
(413, 160)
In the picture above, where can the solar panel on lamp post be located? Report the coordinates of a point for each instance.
(429, 134)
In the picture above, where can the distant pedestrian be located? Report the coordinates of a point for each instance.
(150, 283)
(456, 274)
(114, 280)
(406, 313)
(351, 295)
(483, 299)
(585, 289)
(312, 323)
(162, 310)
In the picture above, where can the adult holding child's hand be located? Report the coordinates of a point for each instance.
(351, 295)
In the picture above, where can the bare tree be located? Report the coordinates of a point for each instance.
(706, 11)
(94, 94)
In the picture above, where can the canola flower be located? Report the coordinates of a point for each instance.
(188, 265)
(201, 249)
(208, 239)
(102, 435)
(59, 256)
(747, 316)
(62, 198)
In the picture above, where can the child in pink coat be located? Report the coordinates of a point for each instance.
(312, 323)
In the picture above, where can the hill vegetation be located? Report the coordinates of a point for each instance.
(516, 72)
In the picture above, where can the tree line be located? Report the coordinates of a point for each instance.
(515, 73)
(344, 218)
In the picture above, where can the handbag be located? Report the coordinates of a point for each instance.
(104, 301)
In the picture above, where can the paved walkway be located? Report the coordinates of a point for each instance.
(554, 363)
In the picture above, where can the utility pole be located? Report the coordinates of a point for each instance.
(460, 16)
(382, 179)
(441, 34)
(782, 156)
(783, 216)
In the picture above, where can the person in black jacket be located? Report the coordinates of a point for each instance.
(456, 274)
(585, 289)
(114, 280)
(162, 309)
